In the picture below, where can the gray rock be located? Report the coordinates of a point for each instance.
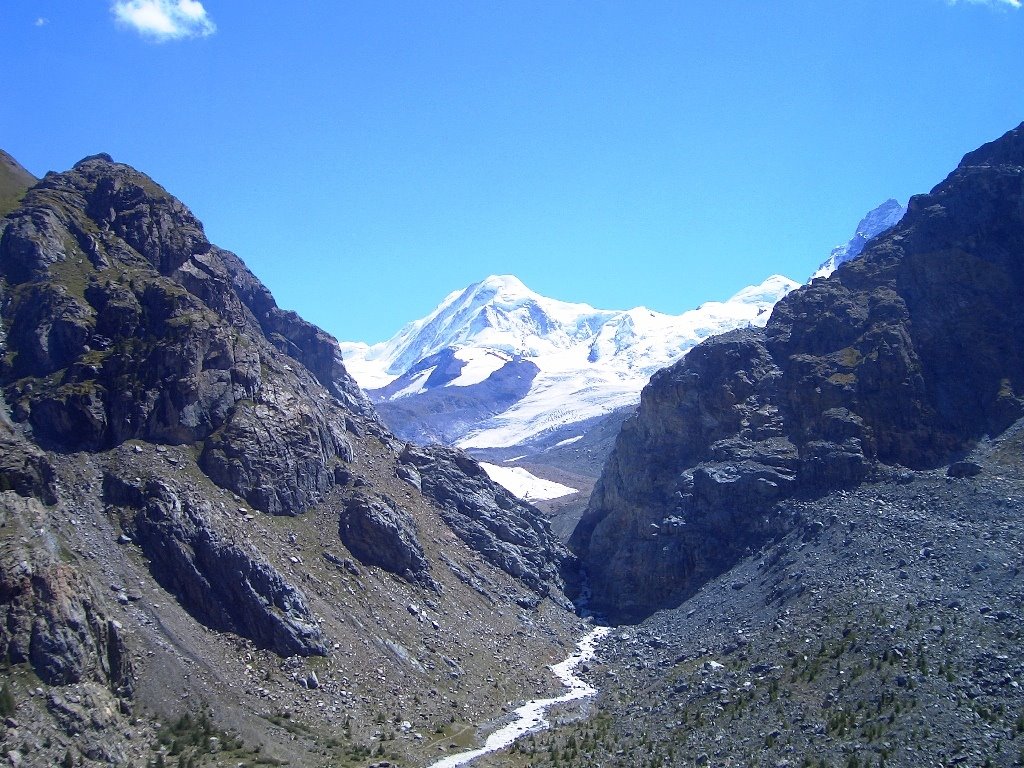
(410, 475)
(25, 469)
(222, 584)
(509, 533)
(964, 469)
(379, 532)
(51, 617)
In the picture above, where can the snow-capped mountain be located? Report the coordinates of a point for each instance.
(498, 365)
(882, 218)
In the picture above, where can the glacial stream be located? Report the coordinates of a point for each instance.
(530, 717)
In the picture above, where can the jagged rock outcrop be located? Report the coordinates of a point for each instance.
(379, 532)
(50, 616)
(904, 357)
(124, 322)
(219, 582)
(25, 469)
(508, 532)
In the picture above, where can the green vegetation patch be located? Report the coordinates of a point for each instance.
(15, 181)
(192, 740)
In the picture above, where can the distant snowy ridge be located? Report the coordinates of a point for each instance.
(541, 363)
(879, 220)
(497, 366)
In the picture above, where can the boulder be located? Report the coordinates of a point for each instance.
(224, 585)
(379, 532)
(506, 531)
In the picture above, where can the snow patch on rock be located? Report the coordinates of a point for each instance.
(526, 485)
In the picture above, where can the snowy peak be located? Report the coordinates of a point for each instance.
(500, 313)
(877, 221)
(497, 364)
(501, 288)
(765, 295)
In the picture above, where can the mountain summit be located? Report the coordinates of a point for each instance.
(497, 364)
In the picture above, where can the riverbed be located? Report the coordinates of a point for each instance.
(531, 717)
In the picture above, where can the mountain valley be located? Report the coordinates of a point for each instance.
(540, 386)
(217, 550)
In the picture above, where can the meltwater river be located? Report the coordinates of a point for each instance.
(530, 717)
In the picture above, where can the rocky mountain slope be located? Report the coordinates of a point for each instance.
(497, 365)
(14, 182)
(883, 629)
(905, 357)
(210, 546)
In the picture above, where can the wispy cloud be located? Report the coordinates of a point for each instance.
(41, 22)
(993, 3)
(165, 19)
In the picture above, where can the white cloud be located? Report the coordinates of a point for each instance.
(996, 3)
(41, 22)
(165, 19)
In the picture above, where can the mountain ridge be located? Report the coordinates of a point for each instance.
(203, 520)
(904, 357)
(558, 351)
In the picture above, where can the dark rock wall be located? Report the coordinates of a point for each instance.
(223, 585)
(905, 356)
(124, 322)
(379, 532)
(509, 533)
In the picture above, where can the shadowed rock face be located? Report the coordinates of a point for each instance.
(124, 322)
(378, 532)
(905, 356)
(222, 584)
(508, 532)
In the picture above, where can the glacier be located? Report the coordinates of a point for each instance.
(588, 362)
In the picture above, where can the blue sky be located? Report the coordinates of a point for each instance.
(367, 158)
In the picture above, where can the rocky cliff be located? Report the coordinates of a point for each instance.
(192, 487)
(904, 357)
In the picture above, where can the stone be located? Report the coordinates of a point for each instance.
(962, 469)
(508, 532)
(222, 584)
(50, 617)
(378, 532)
(410, 475)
